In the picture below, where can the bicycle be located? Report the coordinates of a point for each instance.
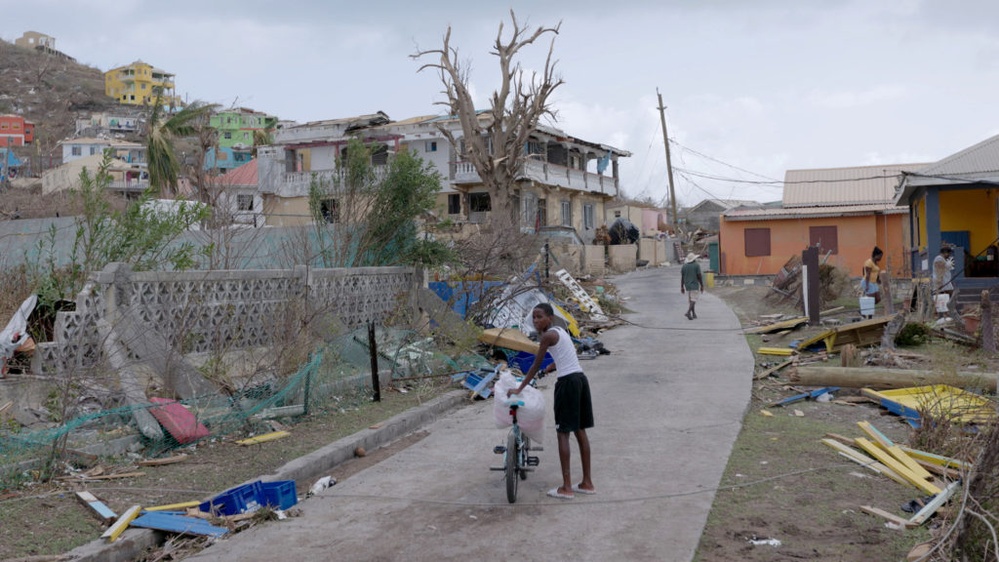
(517, 460)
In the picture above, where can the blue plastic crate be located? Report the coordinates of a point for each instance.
(241, 499)
(523, 360)
(280, 494)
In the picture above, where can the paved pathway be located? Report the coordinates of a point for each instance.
(669, 402)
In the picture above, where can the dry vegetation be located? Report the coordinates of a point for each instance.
(782, 483)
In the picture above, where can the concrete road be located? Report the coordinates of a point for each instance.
(669, 402)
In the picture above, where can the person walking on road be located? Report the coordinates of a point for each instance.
(573, 408)
(943, 285)
(692, 283)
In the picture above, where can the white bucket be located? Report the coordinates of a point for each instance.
(867, 306)
(941, 301)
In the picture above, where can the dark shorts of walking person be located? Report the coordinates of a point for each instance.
(573, 407)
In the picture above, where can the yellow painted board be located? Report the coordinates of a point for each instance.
(263, 438)
(875, 435)
(912, 465)
(119, 526)
(898, 467)
(174, 506)
(775, 351)
(940, 401)
(862, 459)
(782, 325)
(938, 460)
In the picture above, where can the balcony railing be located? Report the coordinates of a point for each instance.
(296, 184)
(545, 173)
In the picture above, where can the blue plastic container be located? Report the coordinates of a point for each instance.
(523, 360)
(280, 494)
(241, 499)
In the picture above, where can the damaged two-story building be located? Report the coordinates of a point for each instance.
(562, 181)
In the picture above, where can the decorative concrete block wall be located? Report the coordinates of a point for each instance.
(622, 257)
(197, 311)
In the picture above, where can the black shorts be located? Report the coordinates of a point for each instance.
(573, 409)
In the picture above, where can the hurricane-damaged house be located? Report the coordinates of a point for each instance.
(956, 201)
(844, 212)
(563, 181)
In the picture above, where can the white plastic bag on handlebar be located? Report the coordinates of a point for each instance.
(530, 416)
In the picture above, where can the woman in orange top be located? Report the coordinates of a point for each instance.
(870, 284)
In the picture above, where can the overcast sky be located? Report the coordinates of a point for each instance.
(753, 87)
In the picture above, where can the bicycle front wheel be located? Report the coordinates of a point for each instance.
(512, 458)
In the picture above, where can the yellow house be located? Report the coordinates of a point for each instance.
(139, 83)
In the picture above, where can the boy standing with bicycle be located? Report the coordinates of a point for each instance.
(573, 407)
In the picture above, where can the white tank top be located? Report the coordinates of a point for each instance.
(564, 354)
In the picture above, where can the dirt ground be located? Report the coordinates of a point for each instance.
(46, 519)
(782, 484)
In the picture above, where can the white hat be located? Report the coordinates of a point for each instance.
(691, 258)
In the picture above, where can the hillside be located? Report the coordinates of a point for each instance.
(50, 91)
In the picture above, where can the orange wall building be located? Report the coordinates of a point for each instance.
(774, 238)
(844, 212)
(15, 130)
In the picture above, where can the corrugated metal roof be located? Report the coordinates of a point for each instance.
(861, 185)
(764, 213)
(978, 159)
(245, 175)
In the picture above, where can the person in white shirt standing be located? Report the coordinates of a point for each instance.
(943, 283)
(573, 407)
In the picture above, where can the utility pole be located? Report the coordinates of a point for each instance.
(669, 164)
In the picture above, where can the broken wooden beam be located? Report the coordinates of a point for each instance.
(930, 508)
(902, 523)
(772, 370)
(97, 508)
(119, 526)
(880, 378)
(166, 460)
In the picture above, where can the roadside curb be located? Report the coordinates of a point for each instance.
(133, 542)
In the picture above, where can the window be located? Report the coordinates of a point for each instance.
(479, 202)
(379, 156)
(246, 135)
(76, 150)
(824, 238)
(431, 146)
(227, 135)
(15, 126)
(244, 202)
(757, 242)
(617, 214)
(542, 212)
(566, 213)
(587, 217)
(453, 203)
(4, 126)
(330, 209)
(94, 150)
(143, 86)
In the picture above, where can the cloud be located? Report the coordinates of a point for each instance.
(851, 99)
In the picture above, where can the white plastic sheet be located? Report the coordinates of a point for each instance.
(530, 416)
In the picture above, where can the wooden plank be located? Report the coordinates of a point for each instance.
(909, 462)
(772, 370)
(947, 473)
(777, 326)
(175, 523)
(174, 506)
(160, 462)
(943, 497)
(863, 460)
(848, 441)
(876, 435)
(263, 438)
(84, 478)
(786, 351)
(939, 460)
(889, 461)
(114, 531)
(902, 523)
(98, 508)
(880, 378)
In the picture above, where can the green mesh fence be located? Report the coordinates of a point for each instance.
(334, 377)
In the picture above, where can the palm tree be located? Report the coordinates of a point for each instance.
(164, 128)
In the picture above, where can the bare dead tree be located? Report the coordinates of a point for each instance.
(494, 139)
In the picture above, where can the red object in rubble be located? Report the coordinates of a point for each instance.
(179, 422)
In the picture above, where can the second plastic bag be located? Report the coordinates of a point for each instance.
(530, 416)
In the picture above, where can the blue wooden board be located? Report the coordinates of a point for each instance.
(177, 524)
